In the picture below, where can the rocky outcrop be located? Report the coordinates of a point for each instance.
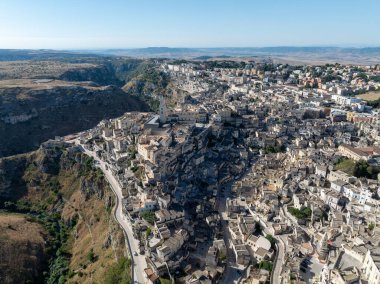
(29, 117)
(108, 72)
(100, 75)
(13, 119)
(73, 98)
(91, 187)
(11, 183)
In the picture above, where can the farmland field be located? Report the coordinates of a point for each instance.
(371, 96)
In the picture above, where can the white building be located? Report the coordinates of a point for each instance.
(172, 245)
(371, 267)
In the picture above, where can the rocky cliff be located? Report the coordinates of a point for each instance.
(43, 99)
(110, 72)
(31, 114)
(64, 206)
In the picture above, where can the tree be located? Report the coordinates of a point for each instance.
(91, 257)
(362, 76)
(257, 229)
(269, 149)
(267, 265)
(304, 213)
(361, 169)
(271, 239)
(374, 104)
(148, 216)
(9, 205)
(148, 232)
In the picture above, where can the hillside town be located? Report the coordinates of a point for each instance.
(252, 173)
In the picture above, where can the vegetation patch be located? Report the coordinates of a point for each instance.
(274, 149)
(272, 240)
(345, 165)
(267, 265)
(304, 213)
(373, 98)
(119, 273)
(21, 253)
(222, 257)
(148, 216)
(358, 169)
(164, 281)
(148, 232)
(68, 197)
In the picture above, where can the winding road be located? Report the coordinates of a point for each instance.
(138, 261)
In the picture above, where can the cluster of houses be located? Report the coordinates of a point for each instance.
(242, 173)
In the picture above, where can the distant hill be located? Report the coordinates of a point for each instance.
(203, 57)
(42, 54)
(368, 55)
(290, 54)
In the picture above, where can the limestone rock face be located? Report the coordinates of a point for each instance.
(29, 117)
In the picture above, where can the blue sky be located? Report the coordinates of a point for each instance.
(84, 24)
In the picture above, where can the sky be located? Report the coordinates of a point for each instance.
(95, 24)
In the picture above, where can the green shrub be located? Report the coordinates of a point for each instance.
(148, 232)
(267, 265)
(91, 257)
(222, 257)
(148, 216)
(359, 169)
(120, 272)
(304, 213)
(274, 149)
(271, 239)
(58, 269)
(165, 281)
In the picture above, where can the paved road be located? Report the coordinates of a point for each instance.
(279, 261)
(138, 262)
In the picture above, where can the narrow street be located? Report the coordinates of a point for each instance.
(231, 274)
(279, 261)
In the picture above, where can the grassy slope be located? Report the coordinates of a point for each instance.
(88, 238)
(370, 96)
(347, 166)
(22, 247)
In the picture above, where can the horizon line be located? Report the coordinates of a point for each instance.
(199, 47)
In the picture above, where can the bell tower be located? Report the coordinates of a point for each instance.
(162, 109)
